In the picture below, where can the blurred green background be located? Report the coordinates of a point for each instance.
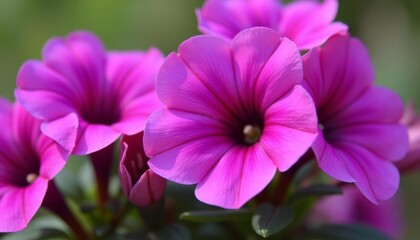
(390, 29)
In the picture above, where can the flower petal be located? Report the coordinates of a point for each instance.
(227, 18)
(94, 137)
(44, 105)
(309, 24)
(80, 57)
(172, 138)
(210, 59)
(133, 161)
(240, 174)
(6, 109)
(19, 205)
(5, 106)
(378, 180)
(369, 108)
(25, 129)
(411, 162)
(133, 73)
(35, 75)
(63, 130)
(53, 157)
(167, 128)
(223, 18)
(189, 163)
(290, 128)
(124, 174)
(179, 88)
(267, 65)
(331, 160)
(342, 62)
(387, 217)
(149, 189)
(136, 112)
(393, 144)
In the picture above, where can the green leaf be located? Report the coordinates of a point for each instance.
(346, 232)
(35, 234)
(269, 220)
(68, 185)
(173, 232)
(316, 190)
(211, 231)
(170, 232)
(43, 226)
(302, 173)
(216, 215)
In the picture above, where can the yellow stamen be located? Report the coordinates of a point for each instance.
(31, 177)
(251, 134)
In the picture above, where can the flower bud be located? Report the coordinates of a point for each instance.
(141, 185)
(411, 162)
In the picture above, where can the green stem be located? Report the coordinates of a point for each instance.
(283, 187)
(54, 201)
(263, 196)
(286, 178)
(153, 215)
(102, 164)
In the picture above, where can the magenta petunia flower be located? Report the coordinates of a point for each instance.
(360, 135)
(141, 185)
(352, 207)
(234, 114)
(28, 161)
(411, 162)
(86, 97)
(307, 23)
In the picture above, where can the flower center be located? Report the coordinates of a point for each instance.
(101, 117)
(251, 134)
(136, 167)
(102, 110)
(31, 177)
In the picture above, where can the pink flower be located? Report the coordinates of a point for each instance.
(360, 135)
(141, 185)
(411, 162)
(234, 114)
(353, 207)
(86, 97)
(28, 161)
(307, 23)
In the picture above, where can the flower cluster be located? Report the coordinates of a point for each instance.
(229, 111)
